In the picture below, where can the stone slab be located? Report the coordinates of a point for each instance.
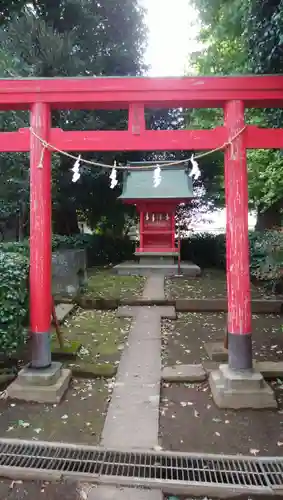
(184, 373)
(132, 419)
(63, 310)
(68, 271)
(40, 394)
(132, 311)
(216, 351)
(43, 377)
(269, 369)
(135, 268)
(116, 493)
(254, 396)
(154, 288)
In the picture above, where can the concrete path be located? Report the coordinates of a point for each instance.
(154, 288)
(132, 419)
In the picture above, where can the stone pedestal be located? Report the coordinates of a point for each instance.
(145, 269)
(47, 385)
(239, 390)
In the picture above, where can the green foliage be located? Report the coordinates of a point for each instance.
(14, 265)
(13, 301)
(50, 38)
(240, 37)
(206, 250)
(101, 249)
(266, 254)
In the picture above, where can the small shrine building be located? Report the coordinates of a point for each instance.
(156, 207)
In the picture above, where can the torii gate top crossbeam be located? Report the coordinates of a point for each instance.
(117, 93)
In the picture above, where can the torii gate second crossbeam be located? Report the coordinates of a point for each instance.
(233, 94)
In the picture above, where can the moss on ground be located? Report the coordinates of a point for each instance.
(101, 333)
(103, 283)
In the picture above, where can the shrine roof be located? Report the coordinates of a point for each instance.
(138, 184)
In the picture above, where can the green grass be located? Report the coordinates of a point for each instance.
(103, 283)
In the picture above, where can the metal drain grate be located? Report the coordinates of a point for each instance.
(145, 468)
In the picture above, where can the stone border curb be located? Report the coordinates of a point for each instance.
(259, 306)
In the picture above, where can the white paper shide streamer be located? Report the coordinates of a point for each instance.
(76, 169)
(157, 176)
(195, 172)
(113, 177)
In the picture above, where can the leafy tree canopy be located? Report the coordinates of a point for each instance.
(240, 37)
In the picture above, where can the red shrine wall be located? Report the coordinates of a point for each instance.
(157, 227)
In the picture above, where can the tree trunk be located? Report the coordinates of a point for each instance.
(270, 218)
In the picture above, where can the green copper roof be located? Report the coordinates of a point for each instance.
(175, 183)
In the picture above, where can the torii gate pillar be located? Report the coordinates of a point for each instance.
(41, 381)
(237, 385)
(40, 237)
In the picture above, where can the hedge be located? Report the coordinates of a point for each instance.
(101, 250)
(13, 301)
(14, 264)
(266, 253)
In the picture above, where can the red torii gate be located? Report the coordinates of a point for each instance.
(234, 94)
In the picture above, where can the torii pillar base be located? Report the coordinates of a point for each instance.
(47, 385)
(240, 390)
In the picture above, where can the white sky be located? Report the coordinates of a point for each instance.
(173, 29)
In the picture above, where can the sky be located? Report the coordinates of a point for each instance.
(172, 35)
(173, 28)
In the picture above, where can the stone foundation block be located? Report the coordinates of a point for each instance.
(216, 351)
(45, 376)
(239, 390)
(184, 373)
(23, 389)
(269, 369)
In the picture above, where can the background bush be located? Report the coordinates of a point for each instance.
(266, 253)
(13, 301)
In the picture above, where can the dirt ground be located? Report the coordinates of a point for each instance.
(211, 284)
(184, 339)
(32, 490)
(80, 415)
(78, 418)
(189, 420)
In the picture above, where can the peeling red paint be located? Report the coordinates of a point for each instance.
(236, 191)
(40, 222)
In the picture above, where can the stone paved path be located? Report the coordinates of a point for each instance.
(154, 288)
(132, 419)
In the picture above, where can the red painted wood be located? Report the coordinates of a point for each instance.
(141, 229)
(149, 141)
(40, 223)
(257, 91)
(237, 252)
(157, 235)
(173, 229)
(136, 125)
(263, 138)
